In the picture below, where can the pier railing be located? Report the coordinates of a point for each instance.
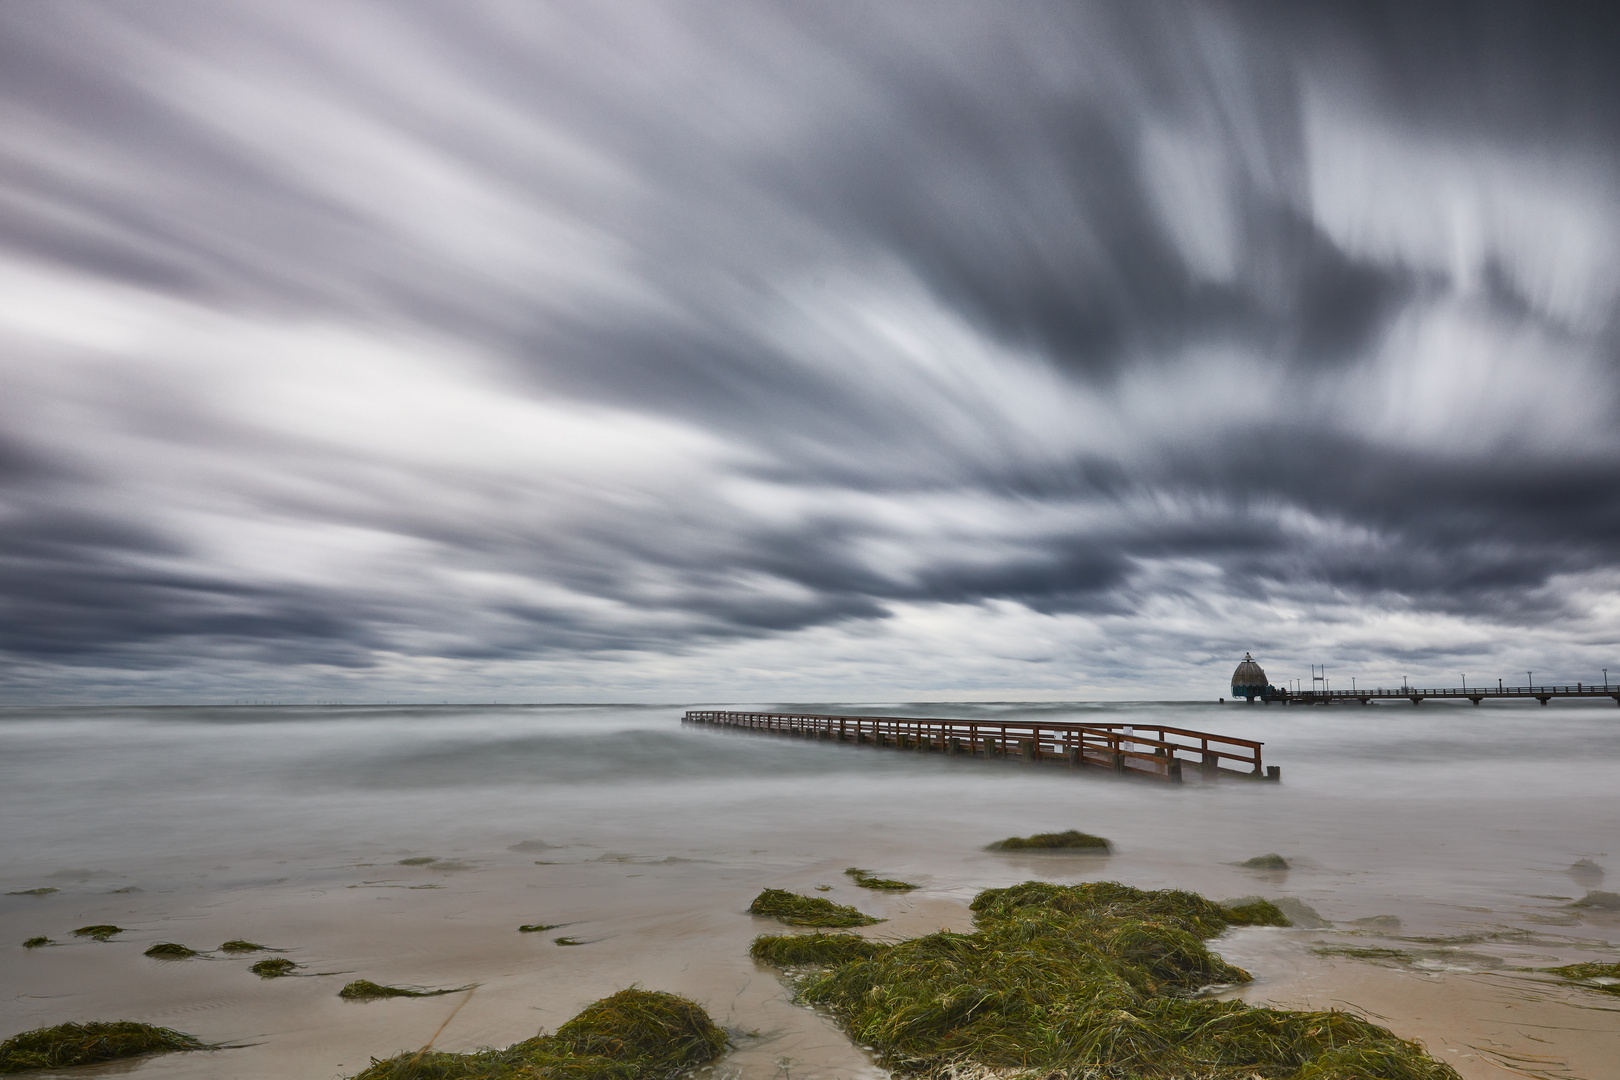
(1151, 750)
(1417, 695)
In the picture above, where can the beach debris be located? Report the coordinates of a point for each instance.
(823, 888)
(67, 1045)
(535, 928)
(99, 932)
(1604, 978)
(1597, 898)
(1074, 840)
(1097, 980)
(796, 910)
(169, 950)
(274, 968)
(812, 950)
(1378, 922)
(1267, 862)
(366, 990)
(418, 860)
(37, 942)
(633, 1035)
(43, 891)
(865, 880)
(569, 941)
(238, 945)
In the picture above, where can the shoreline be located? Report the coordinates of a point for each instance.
(663, 924)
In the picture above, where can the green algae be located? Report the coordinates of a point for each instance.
(67, 1045)
(865, 880)
(366, 990)
(535, 928)
(1267, 862)
(37, 942)
(1072, 840)
(812, 950)
(633, 1035)
(46, 891)
(418, 860)
(98, 932)
(237, 945)
(1587, 973)
(796, 910)
(1100, 981)
(1364, 952)
(275, 968)
(1256, 913)
(169, 950)
(569, 941)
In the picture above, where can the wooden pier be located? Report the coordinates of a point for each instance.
(1417, 696)
(1148, 750)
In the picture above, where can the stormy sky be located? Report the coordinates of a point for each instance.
(505, 349)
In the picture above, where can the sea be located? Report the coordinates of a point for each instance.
(407, 843)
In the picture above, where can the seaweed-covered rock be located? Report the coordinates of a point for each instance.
(1597, 898)
(1090, 980)
(1073, 841)
(237, 945)
(1257, 913)
(1596, 976)
(632, 1035)
(98, 931)
(67, 1045)
(169, 950)
(796, 910)
(274, 968)
(366, 990)
(1267, 862)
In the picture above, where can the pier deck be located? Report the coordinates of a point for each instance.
(1417, 696)
(1148, 750)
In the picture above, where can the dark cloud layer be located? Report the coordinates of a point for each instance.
(632, 349)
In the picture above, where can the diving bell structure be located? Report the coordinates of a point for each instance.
(1249, 680)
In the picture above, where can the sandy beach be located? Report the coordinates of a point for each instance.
(656, 887)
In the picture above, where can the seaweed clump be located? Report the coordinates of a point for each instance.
(274, 969)
(812, 950)
(1604, 978)
(46, 891)
(36, 942)
(632, 1035)
(1267, 862)
(1073, 840)
(67, 1045)
(796, 910)
(417, 860)
(238, 945)
(865, 880)
(535, 928)
(99, 932)
(366, 990)
(169, 950)
(1097, 980)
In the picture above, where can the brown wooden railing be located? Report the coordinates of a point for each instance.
(1134, 749)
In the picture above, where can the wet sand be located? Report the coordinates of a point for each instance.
(671, 923)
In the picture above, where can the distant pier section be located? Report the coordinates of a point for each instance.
(1144, 750)
(1249, 682)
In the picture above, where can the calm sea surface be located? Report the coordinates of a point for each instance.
(1384, 807)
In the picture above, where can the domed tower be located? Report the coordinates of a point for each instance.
(1249, 680)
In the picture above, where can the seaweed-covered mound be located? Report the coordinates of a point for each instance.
(1594, 976)
(1094, 980)
(1073, 840)
(865, 880)
(274, 968)
(238, 945)
(170, 950)
(812, 950)
(98, 932)
(67, 1045)
(1267, 862)
(796, 910)
(633, 1035)
(366, 990)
